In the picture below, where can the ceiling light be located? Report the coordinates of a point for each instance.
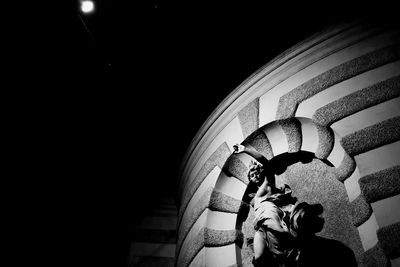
(87, 6)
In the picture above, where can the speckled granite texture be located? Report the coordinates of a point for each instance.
(346, 168)
(191, 250)
(389, 237)
(248, 231)
(236, 168)
(357, 101)
(325, 143)
(209, 238)
(248, 117)
(289, 102)
(218, 158)
(380, 185)
(219, 238)
(222, 202)
(360, 210)
(315, 182)
(259, 141)
(377, 135)
(292, 129)
(216, 201)
(191, 217)
(374, 257)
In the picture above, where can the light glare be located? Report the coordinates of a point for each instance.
(87, 6)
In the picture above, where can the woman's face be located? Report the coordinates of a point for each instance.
(255, 172)
(254, 176)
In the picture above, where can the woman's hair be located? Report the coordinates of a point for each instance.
(256, 170)
(305, 220)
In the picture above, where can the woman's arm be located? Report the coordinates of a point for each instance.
(268, 187)
(255, 154)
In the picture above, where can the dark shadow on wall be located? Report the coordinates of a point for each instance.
(319, 251)
(315, 250)
(279, 164)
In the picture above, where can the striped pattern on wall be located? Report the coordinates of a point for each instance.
(336, 95)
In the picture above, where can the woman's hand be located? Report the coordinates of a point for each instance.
(238, 148)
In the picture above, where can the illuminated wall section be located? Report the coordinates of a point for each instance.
(337, 95)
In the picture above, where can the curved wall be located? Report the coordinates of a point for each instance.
(336, 95)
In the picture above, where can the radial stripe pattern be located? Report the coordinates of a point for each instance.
(336, 96)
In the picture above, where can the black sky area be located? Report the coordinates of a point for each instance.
(131, 85)
(145, 78)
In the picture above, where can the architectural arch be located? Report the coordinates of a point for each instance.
(335, 95)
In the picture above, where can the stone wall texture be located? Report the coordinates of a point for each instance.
(335, 96)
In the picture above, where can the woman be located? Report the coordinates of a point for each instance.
(274, 245)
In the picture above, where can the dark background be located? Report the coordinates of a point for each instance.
(145, 77)
(122, 92)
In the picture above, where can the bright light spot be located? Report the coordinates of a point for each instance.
(87, 6)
